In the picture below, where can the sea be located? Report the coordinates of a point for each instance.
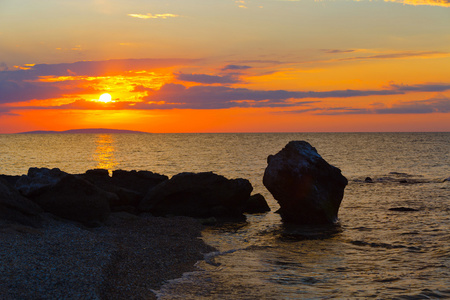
(392, 240)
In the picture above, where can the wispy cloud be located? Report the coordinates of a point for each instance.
(153, 16)
(235, 67)
(433, 105)
(399, 55)
(338, 51)
(240, 3)
(443, 3)
(208, 79)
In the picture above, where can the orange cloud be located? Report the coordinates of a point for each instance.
(151, 16)
(443, 3)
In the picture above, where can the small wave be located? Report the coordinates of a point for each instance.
(426, 294)
(383, 245)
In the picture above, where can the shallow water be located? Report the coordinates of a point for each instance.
(373, 252)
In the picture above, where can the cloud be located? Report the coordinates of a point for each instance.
(399, 55)
(421, 87)
(24, 84)
(443, 3)
(337, 51)
(3, 67)
(235, 67)
(91, 68)
(151, 16)
(208, 79)
(433, 105)
(179, 96)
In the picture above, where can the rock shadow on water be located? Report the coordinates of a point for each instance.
(295, 232)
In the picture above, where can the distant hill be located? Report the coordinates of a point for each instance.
(87, 130)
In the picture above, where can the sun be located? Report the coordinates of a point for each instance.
(105, 98)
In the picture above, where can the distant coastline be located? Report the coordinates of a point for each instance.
(87, 130)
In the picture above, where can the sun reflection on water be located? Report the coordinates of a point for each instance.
(104, 152)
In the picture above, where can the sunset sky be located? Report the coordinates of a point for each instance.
(225, 65)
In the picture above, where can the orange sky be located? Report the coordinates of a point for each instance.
(233, 66)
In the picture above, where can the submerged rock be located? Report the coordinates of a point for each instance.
(308, 189)
(256, 204)
(17, 209)
(199, 195)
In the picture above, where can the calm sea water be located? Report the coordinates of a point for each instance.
(373, 253)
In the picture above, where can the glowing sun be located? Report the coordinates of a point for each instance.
(105, 98)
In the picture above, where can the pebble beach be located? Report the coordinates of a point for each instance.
(128, 258)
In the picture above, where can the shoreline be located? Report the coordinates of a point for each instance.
(128, 258)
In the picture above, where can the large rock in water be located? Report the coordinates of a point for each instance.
(199, 195)
(14, 208)
(308, 189)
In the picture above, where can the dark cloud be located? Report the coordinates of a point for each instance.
(421, 87)
(337, 51)
(12, 91)
(3, 67)
(235, 67)
(434, 105)
(90, 68)
(18, 85)
(179, 96)
(208, 79)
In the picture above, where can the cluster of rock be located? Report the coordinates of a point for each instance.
(89, 198)
(307, 188)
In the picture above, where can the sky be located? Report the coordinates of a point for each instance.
(225, 65)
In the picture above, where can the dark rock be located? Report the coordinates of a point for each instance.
(403, 209)
(11, 179)
(38, 181)
(447, 179)
(308, 189)
(199, 195)
(125, 197)
(76, 199)
(368, 180)
(15, 208)
(138, 181)
(256, 204)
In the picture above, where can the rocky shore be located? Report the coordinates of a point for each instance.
(95, 236)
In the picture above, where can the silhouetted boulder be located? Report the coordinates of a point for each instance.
(308, 189)
(76, 199)
(11, 179)
(199, 195)
(138, 181)
(14, 208)
(256, 204)
(126, 200)
(38, 180)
